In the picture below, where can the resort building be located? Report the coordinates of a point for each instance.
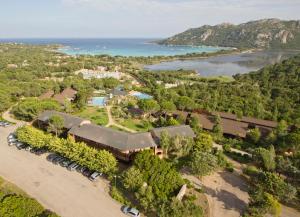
(122, 145)
(99, 74)
(68, 94)
(231, 125)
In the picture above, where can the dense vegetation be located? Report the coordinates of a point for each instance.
(271, 93)
(15, 203)
(269, 33)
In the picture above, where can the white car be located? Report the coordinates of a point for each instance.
(130, 211)
(95, 176)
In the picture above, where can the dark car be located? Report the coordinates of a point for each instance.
(81, 169)
(40, 151)
(51, 157)
(65, 163)
(87, 172)
(58, 160)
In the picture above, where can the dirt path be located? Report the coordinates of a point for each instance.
(111, 121)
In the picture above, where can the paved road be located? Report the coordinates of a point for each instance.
(69, 194)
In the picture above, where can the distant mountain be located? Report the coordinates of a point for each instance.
(266, 33)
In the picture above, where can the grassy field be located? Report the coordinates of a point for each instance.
(95, 115)
(136, 124)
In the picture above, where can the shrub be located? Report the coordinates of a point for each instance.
(250, 170)
(18, 206)
(118, 196)
(227, 147)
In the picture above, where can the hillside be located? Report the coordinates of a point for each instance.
(267, 33)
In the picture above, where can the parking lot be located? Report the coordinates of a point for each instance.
(68, 193)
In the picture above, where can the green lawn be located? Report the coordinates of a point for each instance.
(136, 124)
(95, 115)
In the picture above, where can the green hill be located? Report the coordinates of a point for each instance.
(267, 33)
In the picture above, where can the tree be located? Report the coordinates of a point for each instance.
(217, 129)
(203, 143)
(254, 135)
(184, 103)
(202, 163)
(176, 208)
(165, 142)
(146, 197)
(167, 106)
(293, 140)
(56, 124)
(172, 122)
(159, 174)
(266, 158)
(132, 179)
(281, 129)
(275, 185)
(148, 105)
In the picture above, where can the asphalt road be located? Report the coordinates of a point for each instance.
(69, 194)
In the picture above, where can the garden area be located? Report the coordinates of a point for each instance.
(95, 115)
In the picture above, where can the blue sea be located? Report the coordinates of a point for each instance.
(115, 47)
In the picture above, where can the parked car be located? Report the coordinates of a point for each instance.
(65, 163)
(87, 172)
(11, 136)
(73, 166)
(28, 148)
(40, 151)
(51, 157)
(18, 144)
(58, 159)
(22, 146)
(80, 169)
(130, 211)
(94, 176)
(4, 124)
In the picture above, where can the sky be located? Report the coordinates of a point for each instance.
(130, 18)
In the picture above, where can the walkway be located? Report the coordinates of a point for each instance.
(111, 121)
(220, 147)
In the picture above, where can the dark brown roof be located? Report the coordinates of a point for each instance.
(47, 95)
(113, 138)
(266, 123)
(182, 130)
(69, 93)
(235, 128)
(206, 121)
(69, 120)
(225, 115)
(66, 94)
(230, 127)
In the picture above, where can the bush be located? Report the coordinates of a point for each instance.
(250, 170)
(18, 206)
(118, 196)
(227, 148)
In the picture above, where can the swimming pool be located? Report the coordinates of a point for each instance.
(140, 95)
(98, 101)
